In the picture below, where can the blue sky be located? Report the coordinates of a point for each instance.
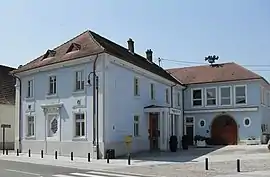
(182, 30)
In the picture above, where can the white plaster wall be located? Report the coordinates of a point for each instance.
(7, 116)
(122, 105)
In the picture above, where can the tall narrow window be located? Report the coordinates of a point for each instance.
(136, 126)
(225, 96)
(30, 126)
(30, 89)
(167, 96)
(136, 87)
(178, 99)
(52, 89)
(152, 91)
(240, 94)
(79, 81)
(211, 97)
(197, 97)
(79, 125)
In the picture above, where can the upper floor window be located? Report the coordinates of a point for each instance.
(197, 97)
(136, 87)
(167, 95)
(240, 94)
(225, 95)
(178, 98)
(79, 80)
(30, 89)
(52, 88)
(211, 96)
(262, 96)
(152, 91)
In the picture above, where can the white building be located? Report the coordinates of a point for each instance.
(7, 106)
(132, 95)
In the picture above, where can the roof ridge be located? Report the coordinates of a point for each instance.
(204, 65)
(90, 34)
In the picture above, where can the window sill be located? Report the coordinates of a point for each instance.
(78, 92)
(79, 138)
(51, 96)
(30, 138)
(137, 96)
(29, 98)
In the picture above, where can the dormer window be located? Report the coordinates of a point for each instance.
(74, 47)
(49, 53)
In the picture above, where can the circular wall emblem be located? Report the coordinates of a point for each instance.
(54, 125)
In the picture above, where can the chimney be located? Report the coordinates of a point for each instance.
(149, 54)
(130, 45)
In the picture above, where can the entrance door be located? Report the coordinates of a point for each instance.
(189, 129)
(190, 134)
(153, 131)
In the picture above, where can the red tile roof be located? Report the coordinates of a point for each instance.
(216, 73)
(7, 86)
(90, 43)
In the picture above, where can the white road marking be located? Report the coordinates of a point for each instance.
(24, 172)
(63, 176)
(109, 174)
(83, 174)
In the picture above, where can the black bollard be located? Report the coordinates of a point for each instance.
(6, 151)
(88, 157)
(17, 152)
(206, 163)
(128, 159)
(71, 156)
(41, 154)
(108, 158)
(29, 153)
(238, 165)
(55, 155)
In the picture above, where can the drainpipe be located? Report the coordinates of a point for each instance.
(20, 112)
(95, 139)
(183, 107)
(172, 107)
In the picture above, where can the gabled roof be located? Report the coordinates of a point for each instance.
(216, 73)
(90, 44)
(7, 86)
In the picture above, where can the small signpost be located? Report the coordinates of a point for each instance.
(4, 126)
(128, 141)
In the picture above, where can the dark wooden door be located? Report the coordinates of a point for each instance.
(190, 134)
(153, 131)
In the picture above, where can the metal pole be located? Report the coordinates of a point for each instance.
(97, 119)
(3, 140)
(94, 108)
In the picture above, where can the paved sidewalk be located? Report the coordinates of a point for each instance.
(79, 163)
(248, 174)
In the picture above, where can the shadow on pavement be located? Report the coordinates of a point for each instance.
(179, 156)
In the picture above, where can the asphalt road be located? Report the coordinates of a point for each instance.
(19, 169)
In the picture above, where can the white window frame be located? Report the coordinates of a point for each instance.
(55, 85)
(81, 80)
(31, 89)
(167, 96)
(136, 123)
(74, 125)
(152, 91)
(27, 136)
(236, 86)
(136, 93)
(178, 99)
(245, 120)
(262, 96)
(268, 98)
(192, 100)
(186, 124)
(205, 94)
(220, 96)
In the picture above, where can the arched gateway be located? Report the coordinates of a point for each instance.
(224, 130)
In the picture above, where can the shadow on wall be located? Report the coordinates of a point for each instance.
(8, 145)
(179, 156)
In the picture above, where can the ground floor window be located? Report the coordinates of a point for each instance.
(136, 125)
(30, 126)
(79, 125)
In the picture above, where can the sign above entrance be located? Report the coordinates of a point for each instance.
(5, 126)
(175, 111)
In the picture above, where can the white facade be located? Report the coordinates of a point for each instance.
(63, 120)
(7, 117)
